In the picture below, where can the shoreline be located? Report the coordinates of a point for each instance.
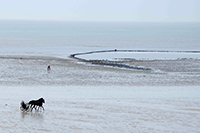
(31, 70)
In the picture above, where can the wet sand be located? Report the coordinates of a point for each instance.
(102, 109)
(85, 97)
(31, 70)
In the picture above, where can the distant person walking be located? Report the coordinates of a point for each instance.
(48, 67)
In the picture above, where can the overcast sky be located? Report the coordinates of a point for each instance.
(102, 10)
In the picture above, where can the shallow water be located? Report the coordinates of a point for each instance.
(102, 109)
(66, 38)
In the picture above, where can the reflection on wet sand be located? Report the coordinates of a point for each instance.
(35, 115)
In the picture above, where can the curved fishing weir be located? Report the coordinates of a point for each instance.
(120, 64)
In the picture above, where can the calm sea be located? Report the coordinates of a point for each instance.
(51, 37)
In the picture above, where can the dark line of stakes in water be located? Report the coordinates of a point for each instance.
(114, 64)
(135, 51)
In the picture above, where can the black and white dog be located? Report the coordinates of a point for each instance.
(33, 104)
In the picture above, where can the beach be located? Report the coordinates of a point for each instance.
(84, 97)
(102, 109)
(32, 70)
(146, 90)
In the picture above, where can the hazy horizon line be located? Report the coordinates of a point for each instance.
(53, 20)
